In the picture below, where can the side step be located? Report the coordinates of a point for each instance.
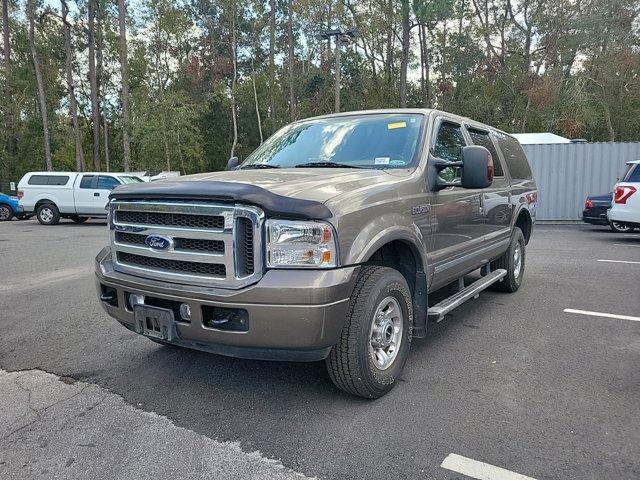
(438, 311)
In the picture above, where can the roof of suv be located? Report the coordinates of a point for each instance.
(421, 111)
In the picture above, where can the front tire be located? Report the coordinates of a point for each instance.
(48, 214)
(374, 344)
(6, 213)
(513, 261)
(620, 228)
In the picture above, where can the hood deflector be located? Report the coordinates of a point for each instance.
(271, 203)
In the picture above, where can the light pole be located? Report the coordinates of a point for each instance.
(343, 37)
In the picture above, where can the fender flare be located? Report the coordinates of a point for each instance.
(411, 235)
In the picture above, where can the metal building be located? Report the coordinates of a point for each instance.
(567, 172)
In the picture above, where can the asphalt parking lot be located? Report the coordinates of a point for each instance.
(511, 380)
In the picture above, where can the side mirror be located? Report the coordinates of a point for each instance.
(233, 163)
(477, 167)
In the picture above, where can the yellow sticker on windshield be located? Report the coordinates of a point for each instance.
(393, 126)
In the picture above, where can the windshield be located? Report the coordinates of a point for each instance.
(130, 179)
(363, 141)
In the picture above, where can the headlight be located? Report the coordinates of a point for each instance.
(300, 244)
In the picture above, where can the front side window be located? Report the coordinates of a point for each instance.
(448, 147)
(381, 141)
(107, 183)
(480, 137)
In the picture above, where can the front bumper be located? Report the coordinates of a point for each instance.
(293, 315)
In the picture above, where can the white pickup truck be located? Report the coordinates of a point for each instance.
(77, 196)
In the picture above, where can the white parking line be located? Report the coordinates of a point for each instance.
(619, 261)
(479, 470)
(626, 245)
(601, 314)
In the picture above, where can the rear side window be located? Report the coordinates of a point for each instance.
(482, 138)
(107, 183)
(86, 181)
(514, 156)
(48, 180)
(633, 174)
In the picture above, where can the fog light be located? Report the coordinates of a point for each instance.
(185, 312)
(135, 300)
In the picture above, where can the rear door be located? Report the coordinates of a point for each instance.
(496, 199)
(84, 194)
(456, 211)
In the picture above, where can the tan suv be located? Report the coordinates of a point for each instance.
(326, 243)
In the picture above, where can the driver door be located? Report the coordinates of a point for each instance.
(457, 212)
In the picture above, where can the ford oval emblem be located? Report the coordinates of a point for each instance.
(158, 242)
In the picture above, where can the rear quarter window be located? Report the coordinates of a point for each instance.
(633, 174)
(513, 154)
(48, 180)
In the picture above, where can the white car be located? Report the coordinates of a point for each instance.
(77, 196)
(625, 206)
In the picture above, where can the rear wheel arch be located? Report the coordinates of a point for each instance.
(525, 223)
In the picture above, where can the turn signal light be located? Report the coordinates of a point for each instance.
(623, 192)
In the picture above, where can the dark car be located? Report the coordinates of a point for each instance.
(595, 212)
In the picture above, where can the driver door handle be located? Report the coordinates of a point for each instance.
(96, 194)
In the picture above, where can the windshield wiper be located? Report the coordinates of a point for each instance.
(326, 165)
(258, 166)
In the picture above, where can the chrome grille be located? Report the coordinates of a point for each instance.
(207, 244)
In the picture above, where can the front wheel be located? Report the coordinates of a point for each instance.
(513, 262)
(6, 213)
(48, 214)
(374, 344)
(620, 228)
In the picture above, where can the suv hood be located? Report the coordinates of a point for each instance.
(317, 184)
(298, 192)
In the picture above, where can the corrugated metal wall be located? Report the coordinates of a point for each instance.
(567, 172)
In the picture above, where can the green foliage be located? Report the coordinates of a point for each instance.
(557, 66)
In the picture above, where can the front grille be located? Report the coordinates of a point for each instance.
(205, 244)
(245, 246)
(195, 268)
(186, 244)
(171, 219)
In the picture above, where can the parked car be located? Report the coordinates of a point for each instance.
(77, 196)
(9, 208)
(327, 242)
(625, 208)
(595, 212)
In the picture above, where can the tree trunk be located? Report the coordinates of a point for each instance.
(404, 61)
(73, 107)
(234, 60)
(336, 85)
(292, 93)
(272, 47)
(124, 74)
(42, 100)
(102, 80)
(12, 141)
(93, 81)
(255, 99)
(390, 32)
